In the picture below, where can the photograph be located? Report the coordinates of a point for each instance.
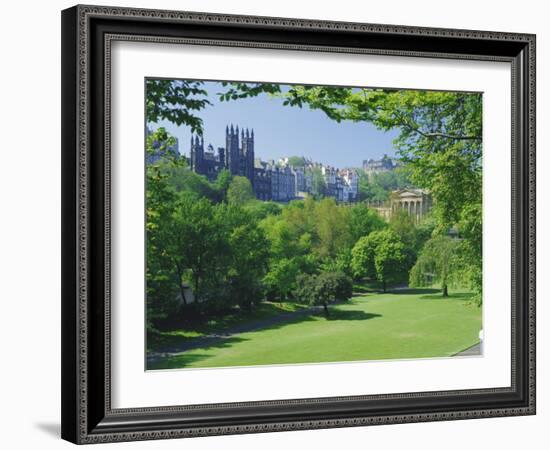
(276, 220)
(297, 224)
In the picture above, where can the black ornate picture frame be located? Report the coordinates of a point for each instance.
(87, 35)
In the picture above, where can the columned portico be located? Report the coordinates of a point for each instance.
(416, 202)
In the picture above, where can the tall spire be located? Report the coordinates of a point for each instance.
(232, 129)
(237, 129)
(252, 133)
(247, 133)
(227, 129)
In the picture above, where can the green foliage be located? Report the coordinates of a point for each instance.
(261, 209)
(161, 280)
(248, 260)
(333, 228)
(159, 142)
(296, 161)
(197, 245)
(440, 143)
(323, 289)
(471, 229)
(364, 220)
(381, 256)
(364, 187)
(235, 250)
(281, 279)
(381, 184)
(240, 191)
(223, 181)
(318, 185)
(438, 262)
(184, 180)
(176, 101)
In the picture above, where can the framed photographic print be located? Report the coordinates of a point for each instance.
(278, 224)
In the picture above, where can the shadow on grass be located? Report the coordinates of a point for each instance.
(338, 314)
(176, 356)
(183, 359)
(452, 296)
(177, 362)
(413, 291)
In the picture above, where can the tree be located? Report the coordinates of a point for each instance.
(183, 179)
(333, 228)
(280, 280)
(318, 185)
(438, 262)
(362, 258)
(470, 249)
(296, 161)
(159, 143)
(380, 256)
(223, 181)
(389, 260)
(248, 257)
(440, 133)
(323, 289)
(160, 276)
(175, 101)
(364, 220)
(196, 246)
(364, 187)
(262, 209)
(240, 191)
(440, 141)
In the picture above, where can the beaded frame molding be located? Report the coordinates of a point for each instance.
(87, 34)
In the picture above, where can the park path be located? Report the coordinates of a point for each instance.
(216, 338)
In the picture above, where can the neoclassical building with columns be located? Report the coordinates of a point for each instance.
(416, 202)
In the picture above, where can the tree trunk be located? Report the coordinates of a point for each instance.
(180, 277)
(384, 285)
(445, 291)
(182, 293)
(325, 307)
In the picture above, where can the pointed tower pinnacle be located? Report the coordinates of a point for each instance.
(227, 129)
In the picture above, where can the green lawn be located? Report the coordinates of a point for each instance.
(412, 323)
(220, 325)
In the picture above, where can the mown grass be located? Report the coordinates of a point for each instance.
(219, 325)
(407, 323)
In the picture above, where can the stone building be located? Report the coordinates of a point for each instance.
(416, 202)
(350, 185)
(386, 164)
(237, 156)
(283, 184)
(262, 183)
(270, 181)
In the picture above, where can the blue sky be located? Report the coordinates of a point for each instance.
(285, 131)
